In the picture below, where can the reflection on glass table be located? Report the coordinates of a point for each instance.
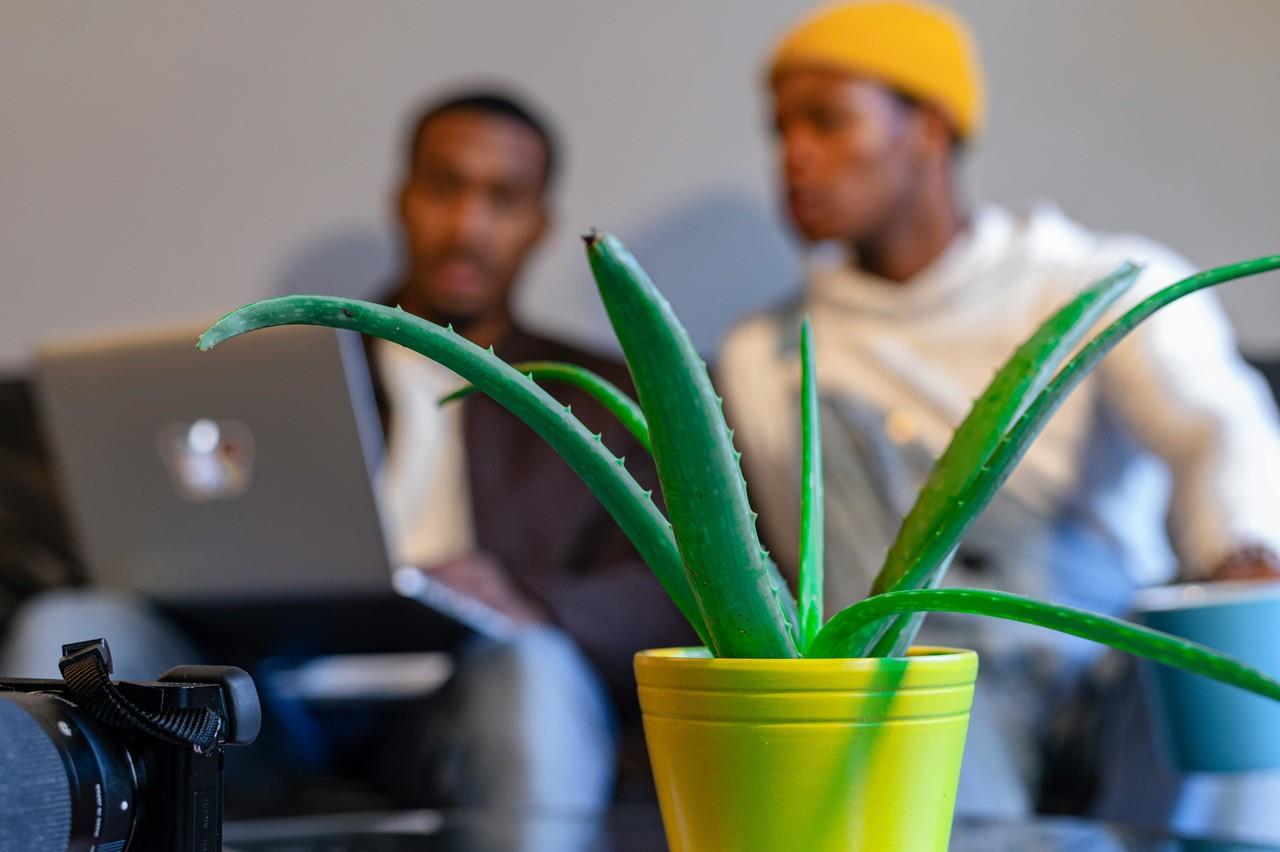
(639, 829)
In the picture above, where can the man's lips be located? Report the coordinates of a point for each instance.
(459, 275)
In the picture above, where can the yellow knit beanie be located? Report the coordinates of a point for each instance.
(918, 49)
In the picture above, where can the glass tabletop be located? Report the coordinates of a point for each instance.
(639, 829)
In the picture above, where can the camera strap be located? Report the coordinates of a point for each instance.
(86, 668)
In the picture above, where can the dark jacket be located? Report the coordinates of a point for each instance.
(559, 545)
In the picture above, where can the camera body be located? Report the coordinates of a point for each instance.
(119, 766)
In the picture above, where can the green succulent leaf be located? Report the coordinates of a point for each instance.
(952, 527)
(603, 391)
(1022, 377)
(621, 496)
(833, 641)
(811, 502)
(739, 593)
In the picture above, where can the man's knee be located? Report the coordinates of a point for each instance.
(143, 644)
(538, 720)
(535, 662)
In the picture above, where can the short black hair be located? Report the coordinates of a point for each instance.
(489, 102)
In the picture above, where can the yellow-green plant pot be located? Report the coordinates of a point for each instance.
(814, 755)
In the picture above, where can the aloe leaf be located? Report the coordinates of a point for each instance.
(1103, 629)
(606, 476)
(786, 600)
(811, 502)
(1014, 445)
(599, 388)
(1021, 378)
(741, 599)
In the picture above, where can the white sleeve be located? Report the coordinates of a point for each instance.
(1180, 384)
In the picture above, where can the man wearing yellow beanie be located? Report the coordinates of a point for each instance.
(915, 299)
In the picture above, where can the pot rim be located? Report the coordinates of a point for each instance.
(1204, 595)
(697, 655)
(926, 667)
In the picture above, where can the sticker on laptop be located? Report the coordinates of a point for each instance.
(208, 460)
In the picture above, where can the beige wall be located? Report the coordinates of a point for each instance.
(162, 160)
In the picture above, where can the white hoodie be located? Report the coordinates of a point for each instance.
(917, 353)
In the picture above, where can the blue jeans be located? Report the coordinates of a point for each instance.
(524, 724)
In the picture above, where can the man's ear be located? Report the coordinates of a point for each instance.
(401, 203)
(545, 224)
(932, 139)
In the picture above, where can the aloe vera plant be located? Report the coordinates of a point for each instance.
(708, 555)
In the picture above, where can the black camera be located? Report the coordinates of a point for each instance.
(88, 764)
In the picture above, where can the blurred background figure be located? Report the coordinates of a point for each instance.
(476, 498)
(474, 494)
(916, 297)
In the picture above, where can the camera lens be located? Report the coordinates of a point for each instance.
(65, 781)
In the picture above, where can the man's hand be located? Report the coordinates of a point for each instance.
(480, 576)
(1249, 563)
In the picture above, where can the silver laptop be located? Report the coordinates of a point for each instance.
(235, 476)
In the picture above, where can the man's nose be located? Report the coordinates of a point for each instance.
(469, 217)
(798, 151)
